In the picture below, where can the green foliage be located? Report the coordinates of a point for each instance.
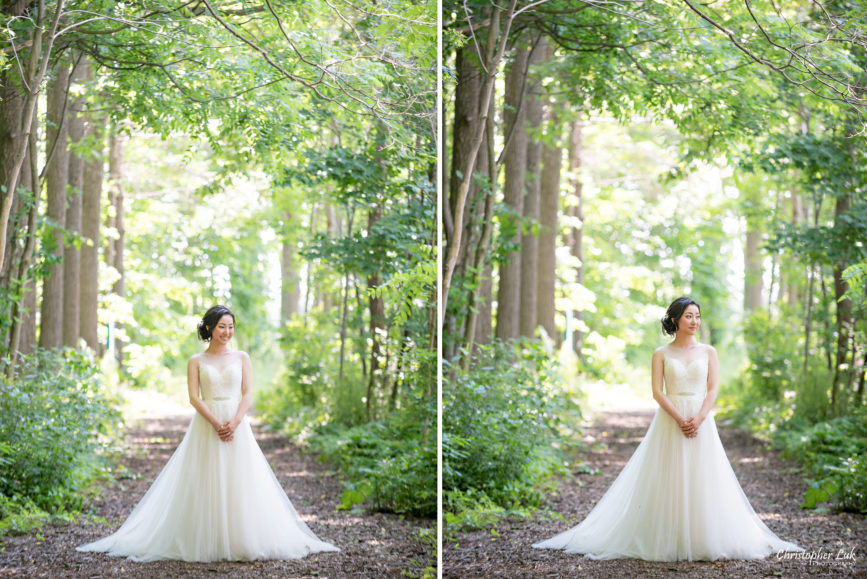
(424, 569)
(20, 515)
(210, 250)
(211, 130)
(14, 293)
(770, 344)
(308, 392)
(835, 454)
(53, 418)
(856, 277)
(498, 432)
(775, 400)
(390, 464)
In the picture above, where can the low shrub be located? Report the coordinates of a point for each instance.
(834, 453)
(390, 464)
(53, 417)
(498, 432)
(770, 342)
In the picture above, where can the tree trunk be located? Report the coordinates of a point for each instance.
(466, 117)
(11, 110)
(775, 270)
(17, 217)
(344, 316)
(376, 306)
(811, 275)
(515, 160)
(57, 173)
(22, 334)
(844, 310)
(549, 205)
(333, 229)
(792, 294)
(494, 50)
(753, 268)
(27, 341)
(36, 68)
(576, 212)
(479, 310)
(290, 288)
(859, 393)
(826, 320)
(484, 304)
(91, 213)
(71, 253)
(808, 322)
(115, 176)
(309, 301)
(530, 240)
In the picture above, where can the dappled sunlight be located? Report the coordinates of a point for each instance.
(141, 404)
(299, 473)
(603, 397)
(345, 521)
(376, 542)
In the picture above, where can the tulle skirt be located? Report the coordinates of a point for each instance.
(214, 501)
(676, 499)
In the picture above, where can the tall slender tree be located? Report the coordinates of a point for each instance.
(290, 286)
(576, 232)
(91, 217)
(533, 177)
(57, 175)
(549, 207)
(75, 180)
(515, 161)
(115, 250)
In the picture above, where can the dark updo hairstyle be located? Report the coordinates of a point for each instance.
(210, 319)
(674, 312)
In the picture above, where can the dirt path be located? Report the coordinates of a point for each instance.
(772, 484)
(372, 544)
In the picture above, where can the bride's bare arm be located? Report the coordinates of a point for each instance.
(656, 382)
(195, 398)
(712, 381)
(246, 392)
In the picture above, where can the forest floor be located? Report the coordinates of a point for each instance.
(372, 544)
(774, 486)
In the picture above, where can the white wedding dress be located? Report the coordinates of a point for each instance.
(677, 498)
(214, 500)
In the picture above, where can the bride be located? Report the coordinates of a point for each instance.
(677, 498)
(217, 498)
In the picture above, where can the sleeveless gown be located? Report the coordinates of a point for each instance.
(677, 498)
(214, 500)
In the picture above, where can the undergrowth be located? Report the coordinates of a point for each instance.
(500, 434)
(54, 418)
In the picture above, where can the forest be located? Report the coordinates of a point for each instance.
(161, 157)
(601, 160)
(448, 238)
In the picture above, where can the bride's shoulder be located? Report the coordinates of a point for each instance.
(659, 353)
(710, 350)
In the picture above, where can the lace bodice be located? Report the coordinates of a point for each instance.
(685, 379)
(217, 383)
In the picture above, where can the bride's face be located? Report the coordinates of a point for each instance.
(224, 330)
(690, 321)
